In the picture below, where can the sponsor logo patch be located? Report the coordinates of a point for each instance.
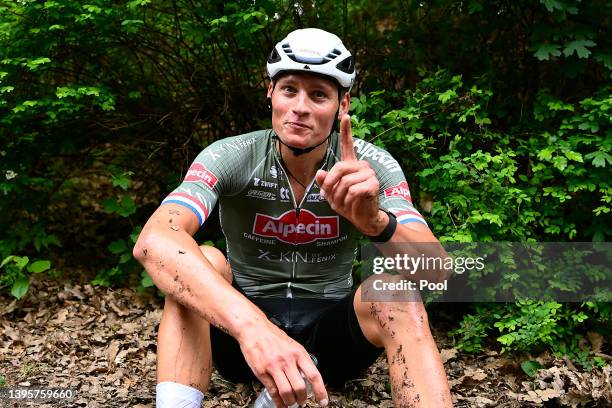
(400, 190)
(264, 195)
(284, 194)
(295, 256)
(287, 228)
(257, 182)
(197, 173)
(369, 151)
(314, 198)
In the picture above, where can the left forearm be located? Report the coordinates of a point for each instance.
(416, 241)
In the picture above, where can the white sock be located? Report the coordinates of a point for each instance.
(175, 395)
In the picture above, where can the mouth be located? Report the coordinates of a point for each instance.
(298, 125)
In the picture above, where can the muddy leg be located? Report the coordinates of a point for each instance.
(183, 345)
(415, 367)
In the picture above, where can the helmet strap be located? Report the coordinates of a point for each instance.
(297, 151)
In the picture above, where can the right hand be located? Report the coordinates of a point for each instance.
(277, 360)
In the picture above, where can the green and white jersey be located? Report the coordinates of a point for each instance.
(278, 247)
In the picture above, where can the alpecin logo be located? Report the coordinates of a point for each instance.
(400, 190)
(197, 173)
(287, 228)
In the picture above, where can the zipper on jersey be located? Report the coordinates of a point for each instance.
(297, 208)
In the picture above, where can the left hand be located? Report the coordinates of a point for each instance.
(351, 187)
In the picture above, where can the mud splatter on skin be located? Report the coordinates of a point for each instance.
(170, 220)
(406, 380)
(181, 251)
(145, 251)
(398, 357)
(376, 312)
(402, 401)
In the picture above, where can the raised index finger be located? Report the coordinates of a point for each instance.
(346, 139)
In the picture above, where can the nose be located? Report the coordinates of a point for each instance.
(302, 104)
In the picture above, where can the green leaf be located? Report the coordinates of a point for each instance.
(552, 5)
(531, 367)
(110, 205)
(39, 266)
(599, 158)
(121, 180)
(33, 64)
(135, 233)
(131, 22)
(117, 247)
(445, 96)
(20, 286)
(579, 47)
(125, 257)
(575, 156)
(544, 51)
(21, 261)
(146, 280)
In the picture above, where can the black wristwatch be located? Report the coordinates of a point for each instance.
(389, 230)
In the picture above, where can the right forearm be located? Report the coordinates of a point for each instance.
(178, 268)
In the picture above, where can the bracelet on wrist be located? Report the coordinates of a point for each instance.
(389, 230)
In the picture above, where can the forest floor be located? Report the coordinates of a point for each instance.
(101, 343)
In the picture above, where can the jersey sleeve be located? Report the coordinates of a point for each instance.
(215, 172)
(201, 186)
(394, 194)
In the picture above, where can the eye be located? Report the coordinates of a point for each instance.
(288, 89)
(320, 95)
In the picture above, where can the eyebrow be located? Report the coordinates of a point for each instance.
(291, 80)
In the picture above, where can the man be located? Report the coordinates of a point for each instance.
(293, 202)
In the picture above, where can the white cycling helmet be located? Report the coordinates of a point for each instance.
(315, 51)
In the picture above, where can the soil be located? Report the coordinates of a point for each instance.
(101, 343)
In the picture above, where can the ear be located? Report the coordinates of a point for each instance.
(270, 89)
(345, 105)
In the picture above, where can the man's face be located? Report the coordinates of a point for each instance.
(304, 107)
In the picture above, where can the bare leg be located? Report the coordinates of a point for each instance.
(183, 342)
(415, 367)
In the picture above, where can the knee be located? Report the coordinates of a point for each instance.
(386, 318)
(218, 261)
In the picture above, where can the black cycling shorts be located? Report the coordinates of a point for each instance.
(328, 329)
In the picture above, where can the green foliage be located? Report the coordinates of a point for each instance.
(125, 265)
(531, 367)
(532, 326)
(472, 332)
(16, 272)
(499, 113)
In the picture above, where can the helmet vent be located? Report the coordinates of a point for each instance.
(287, 49)
(346, 65)
(333, 54)
(274, 57)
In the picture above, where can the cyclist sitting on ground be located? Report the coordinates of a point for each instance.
(293, 203)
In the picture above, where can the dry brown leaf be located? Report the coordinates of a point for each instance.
(476, 374)
(448, 354)
(596, 340)
(111, 353)
(8, 308)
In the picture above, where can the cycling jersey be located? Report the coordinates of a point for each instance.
(276, 246)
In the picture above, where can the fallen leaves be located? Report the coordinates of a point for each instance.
(103, 344)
